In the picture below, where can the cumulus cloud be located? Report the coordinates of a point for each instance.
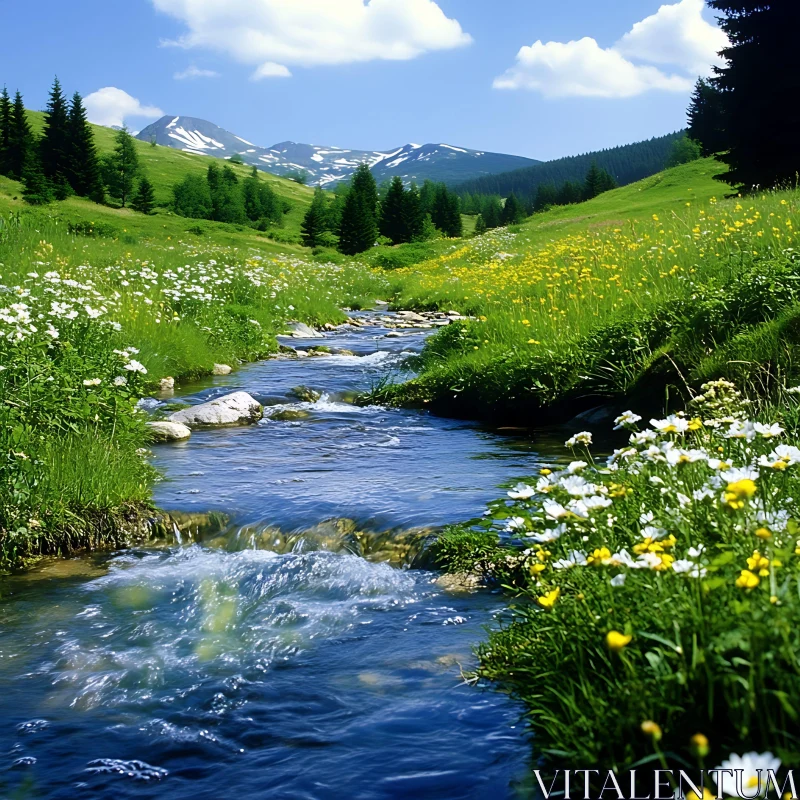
(111, 106)
(269, 69)
(195, 72)
(676, 36)
(273, 35)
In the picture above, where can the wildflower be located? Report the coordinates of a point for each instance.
(120, 381)
(747, 580)
(575, 559)
(135, 366)
(672, 424)
(584, 438)
(684, 566)
(764, 533)
(599, 557)
(522, 492)
(576, 486)
(555, 510)
(741, 430)
(576, 466)
(767, 431)
(748, 771)
(548, 600)
(619, 580)
(617, 641)
(700, 745)
(758, 563)
(643, 437)
(516, 524)
(781, 457)
(625, 420)
(652, 729)
(92, 382)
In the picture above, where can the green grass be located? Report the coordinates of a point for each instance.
(630, 294)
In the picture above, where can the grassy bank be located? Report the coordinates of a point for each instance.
(89, 323)
(656, 596)
(639, 295)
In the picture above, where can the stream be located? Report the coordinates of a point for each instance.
(265, 661)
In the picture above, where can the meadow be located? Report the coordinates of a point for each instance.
(641, 294)
(90, 321)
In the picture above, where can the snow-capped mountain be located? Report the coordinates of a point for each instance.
(327, 166)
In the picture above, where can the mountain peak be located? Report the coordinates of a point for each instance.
(329, 165)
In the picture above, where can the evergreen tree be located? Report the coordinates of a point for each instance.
(546, 196)
(144, 200)
(480, 225)
(454, 226)
(591, 186)
(20, 140)
(55, 143)
(359, 224)
(413, 215)
(684, 151)
(251, 196)
(121, 167)
(759, 88)
(393, 223)
(5, 131)
(272, 209)
(192, 198)
(315, 222)
(37, 189)
(512, 211)
(227, 202)
(569, 193)
(706, 118)
(427, 196)
(83, 166)
(492, 213)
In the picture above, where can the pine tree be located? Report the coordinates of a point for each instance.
(359, 224)
(20, 140)
(492, 212)
(315, 222)
(144, 200)
(454, 227)
(591, 186)
(5, 130)
(480, 225)
(83, 166)
(393, 213)
(251, 196)
(192, 198)
(121, 167)
(37, 189)
(512, 211)
(55, 143)
(706, 118)
(413, 215)
(546, 196)
(758, 89)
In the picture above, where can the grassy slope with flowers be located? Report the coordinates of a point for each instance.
(656, 617)
(89, 324)
(640, 294)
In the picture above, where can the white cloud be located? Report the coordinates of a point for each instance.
(584, 69)
(270, 69)
(111, 106)
(676, 36)
(275, 34)
(195, 72)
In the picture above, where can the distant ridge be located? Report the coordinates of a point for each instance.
(327, 166)
(627, 163)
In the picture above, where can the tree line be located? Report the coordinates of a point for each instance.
(64, 161)
(747, 113)
(361, 214)
(626, 164)
(219, 195)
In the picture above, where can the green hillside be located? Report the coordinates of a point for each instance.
(626, 164)
(165, 167)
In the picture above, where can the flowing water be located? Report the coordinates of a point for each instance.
(232, 668)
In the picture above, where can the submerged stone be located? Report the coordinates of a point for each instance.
(165, 431)
(238, 408)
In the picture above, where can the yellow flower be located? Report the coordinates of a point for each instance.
(536, 569)
(743, 489)
(545, 471)
(549, 600)
(695, 424)
(764, 533)
(700, 744)
(652, 729)
(600, 555)
(747, 580)
(617, 641)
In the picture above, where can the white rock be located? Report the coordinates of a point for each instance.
(302, 353)
(299, 330)
(167, 384)
(222, 369)
(232, 409)
(168, 431)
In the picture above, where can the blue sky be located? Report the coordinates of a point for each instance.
(375, 76)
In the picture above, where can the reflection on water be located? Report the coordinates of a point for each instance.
(293, 672)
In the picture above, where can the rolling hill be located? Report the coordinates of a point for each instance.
(327, 166)
(628, 163)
